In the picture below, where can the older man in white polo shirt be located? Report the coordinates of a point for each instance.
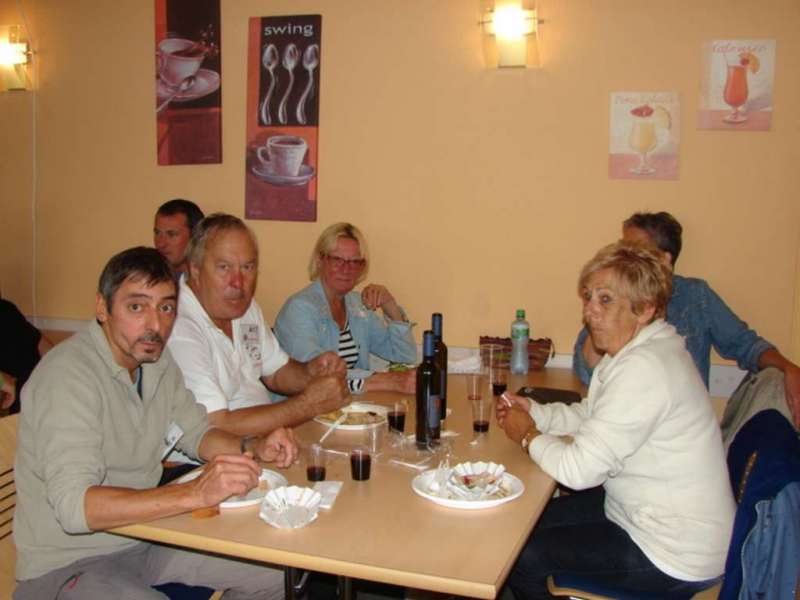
(228, 355)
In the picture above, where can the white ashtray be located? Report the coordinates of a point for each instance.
(290, 507)
(475, 481)
(468, 486)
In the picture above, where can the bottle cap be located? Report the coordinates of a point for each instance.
(427, 344)
(436, 324)
(520, 313)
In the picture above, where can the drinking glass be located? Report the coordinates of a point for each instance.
(360, 463)
(476, 386)
(735, 94)
(397, 417)
(315, 467)
(642, 139)
(481, 415)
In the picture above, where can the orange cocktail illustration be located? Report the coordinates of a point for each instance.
(736, 91)
(643, 137)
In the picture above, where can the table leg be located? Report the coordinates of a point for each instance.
(294, 583)
(345, 588)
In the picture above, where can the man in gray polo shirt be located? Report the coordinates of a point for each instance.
(98, 415)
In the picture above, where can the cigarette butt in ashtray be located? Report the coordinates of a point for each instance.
(506, 400)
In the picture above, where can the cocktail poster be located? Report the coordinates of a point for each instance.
(188, 81)
(737, 83)
(643, 135)
(283, 66)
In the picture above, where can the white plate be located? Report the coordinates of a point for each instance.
(254, 496)
(359, 407)
(206, 82)
(266, 171)
(421, 482)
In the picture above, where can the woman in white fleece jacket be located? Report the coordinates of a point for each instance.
(657, 511)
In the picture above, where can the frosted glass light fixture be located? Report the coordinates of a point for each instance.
(14, 58)
(510, 35)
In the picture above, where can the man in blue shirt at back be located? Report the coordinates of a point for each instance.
(703, 318)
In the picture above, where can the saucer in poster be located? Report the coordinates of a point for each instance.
(267, 172)
(206, 82)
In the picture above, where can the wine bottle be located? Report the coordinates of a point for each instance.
(440, 360)
(428, 408)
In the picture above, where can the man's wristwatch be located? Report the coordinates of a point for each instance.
(529, 435)
(245, 441)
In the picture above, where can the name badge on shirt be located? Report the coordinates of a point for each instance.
(174, 433)
(251, 341)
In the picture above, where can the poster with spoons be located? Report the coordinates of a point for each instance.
(283, 75)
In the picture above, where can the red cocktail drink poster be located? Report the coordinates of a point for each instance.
(643, 135)
(283, 66)
(188, 82)
(736, 88)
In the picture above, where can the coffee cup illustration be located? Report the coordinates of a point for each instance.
(179, 59)
(284, 154)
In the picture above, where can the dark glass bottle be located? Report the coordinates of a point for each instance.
(428, 409)
(440, 360)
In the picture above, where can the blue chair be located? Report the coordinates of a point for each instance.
(762, 460)
(179, 591)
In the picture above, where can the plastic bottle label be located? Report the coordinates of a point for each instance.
(519, 333)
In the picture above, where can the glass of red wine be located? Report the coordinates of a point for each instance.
(360, 463)
(397, 417)
(498, 378)
(481, 410)
(315, 467)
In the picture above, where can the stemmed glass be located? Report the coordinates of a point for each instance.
(735, 94)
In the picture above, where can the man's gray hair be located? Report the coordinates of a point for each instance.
(207, 229)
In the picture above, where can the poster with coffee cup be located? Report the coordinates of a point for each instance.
(188, 82)
(283, 66)
(736, 86)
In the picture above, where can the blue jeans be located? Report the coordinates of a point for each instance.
(574, 536)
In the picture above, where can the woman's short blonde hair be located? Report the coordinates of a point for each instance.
(326, 243)
(640, 271)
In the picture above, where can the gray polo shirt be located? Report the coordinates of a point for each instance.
(83, 424)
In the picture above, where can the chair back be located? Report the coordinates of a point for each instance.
(763, 458)
(8, 502)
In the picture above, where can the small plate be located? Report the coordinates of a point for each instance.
(421, 484)
(206, 82)
(266, 171)
(358, 407)
(254, 496)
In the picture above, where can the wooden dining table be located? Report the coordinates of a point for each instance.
(379, 529)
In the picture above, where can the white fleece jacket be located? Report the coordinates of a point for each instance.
(646, 431)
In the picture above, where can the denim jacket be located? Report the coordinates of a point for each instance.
(306, 328)
(700, 316)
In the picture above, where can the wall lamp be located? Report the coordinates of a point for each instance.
(14, 59)
(510, 35)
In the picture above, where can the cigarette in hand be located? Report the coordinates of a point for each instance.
(506, 400)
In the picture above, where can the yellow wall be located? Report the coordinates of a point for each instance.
(480, 191)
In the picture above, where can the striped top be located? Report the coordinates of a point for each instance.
(348, 352)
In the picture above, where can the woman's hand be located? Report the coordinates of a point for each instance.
(506, 402)
(375, 295)
(514, 419)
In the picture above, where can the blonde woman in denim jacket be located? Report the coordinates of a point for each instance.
(329, 315)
